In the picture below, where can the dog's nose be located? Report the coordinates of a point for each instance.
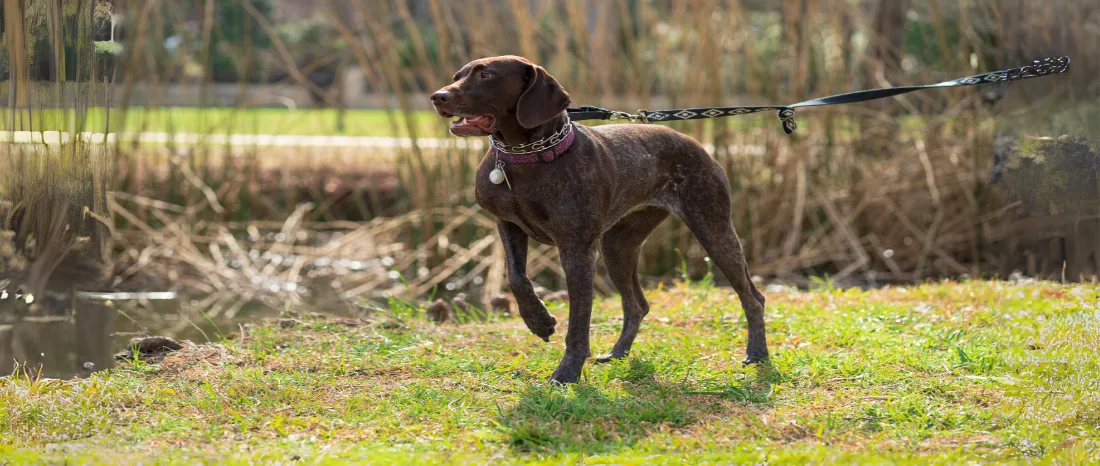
(442, 97)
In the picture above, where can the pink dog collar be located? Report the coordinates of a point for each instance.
(546, 155)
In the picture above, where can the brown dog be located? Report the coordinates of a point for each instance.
(575, 187)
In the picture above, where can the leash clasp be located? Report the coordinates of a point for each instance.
(621, 116)
(640, 116)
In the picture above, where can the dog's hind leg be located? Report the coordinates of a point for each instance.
(620, 246)
(705, 208)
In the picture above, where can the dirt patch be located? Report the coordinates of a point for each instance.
(188, 360)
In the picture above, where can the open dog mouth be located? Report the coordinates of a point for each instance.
(475, 125)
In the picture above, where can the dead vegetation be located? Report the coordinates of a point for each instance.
(261, 224)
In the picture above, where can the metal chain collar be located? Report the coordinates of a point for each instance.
(535, 146)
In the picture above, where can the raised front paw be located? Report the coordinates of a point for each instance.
(540, 322)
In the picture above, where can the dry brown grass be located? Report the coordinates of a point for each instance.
(846, 196)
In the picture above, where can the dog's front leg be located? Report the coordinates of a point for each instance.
(531, 308)
(579, 263)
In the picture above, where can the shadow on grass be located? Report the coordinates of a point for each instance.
(625, 406)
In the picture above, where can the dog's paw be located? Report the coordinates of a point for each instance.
(756, 357)
(568, 372)
(562, 380)
(606, 358)
(542, 326)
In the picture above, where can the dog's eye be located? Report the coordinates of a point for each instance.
(485, 75)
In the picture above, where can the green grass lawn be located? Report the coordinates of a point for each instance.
(948, 373)
(224, 120)
(310, 122)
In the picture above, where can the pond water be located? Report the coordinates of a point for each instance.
(65, 337)
(78, 338)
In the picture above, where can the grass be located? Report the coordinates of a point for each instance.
(323, 122)
(946, 373)
(228, 120)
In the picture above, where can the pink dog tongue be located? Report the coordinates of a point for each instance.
(480, 122)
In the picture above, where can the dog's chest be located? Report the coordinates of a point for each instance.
(490, 197)
(515, 205)
(522, 205)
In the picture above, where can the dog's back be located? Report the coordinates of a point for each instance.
(653, 163)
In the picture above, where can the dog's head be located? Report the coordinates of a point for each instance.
(506, 92)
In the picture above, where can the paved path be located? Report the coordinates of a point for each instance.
(278, 140)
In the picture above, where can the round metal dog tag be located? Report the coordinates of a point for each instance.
(496, 176)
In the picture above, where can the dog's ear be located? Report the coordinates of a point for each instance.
(543, 99)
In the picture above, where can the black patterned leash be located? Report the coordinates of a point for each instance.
(1044, 67)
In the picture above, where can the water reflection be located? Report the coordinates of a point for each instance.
(73, 337)
(69, 335)
(62, 345)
